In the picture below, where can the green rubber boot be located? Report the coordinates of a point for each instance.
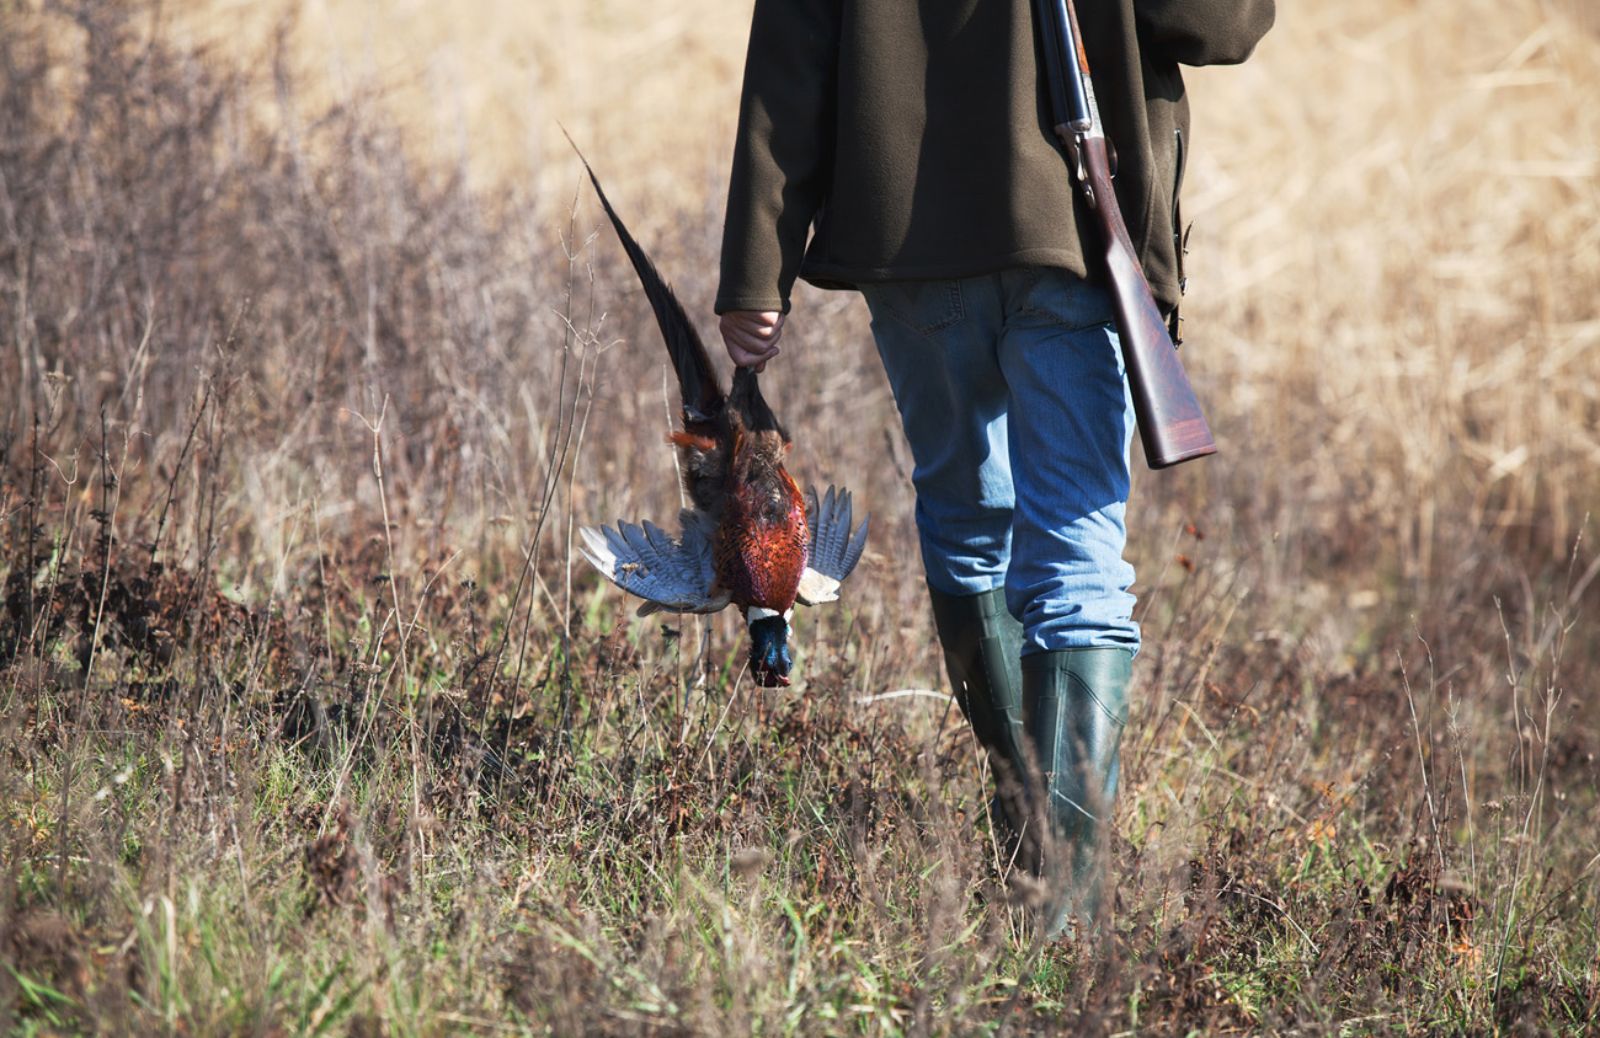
(982, 644)
(1077, 705)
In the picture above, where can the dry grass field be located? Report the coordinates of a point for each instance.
(314, 352)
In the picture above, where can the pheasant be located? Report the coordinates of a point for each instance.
(750, 540)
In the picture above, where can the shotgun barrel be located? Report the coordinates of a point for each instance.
(1172, 426)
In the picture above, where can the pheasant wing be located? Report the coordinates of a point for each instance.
(835, 546)
(671, 575)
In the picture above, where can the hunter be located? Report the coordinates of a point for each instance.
(905, 150)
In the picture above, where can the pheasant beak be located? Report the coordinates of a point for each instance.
(769, 648)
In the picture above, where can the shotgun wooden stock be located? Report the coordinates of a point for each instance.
(1171, 424)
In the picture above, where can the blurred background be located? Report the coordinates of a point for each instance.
(309, 322)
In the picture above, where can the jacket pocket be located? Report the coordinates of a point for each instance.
(1180, 236)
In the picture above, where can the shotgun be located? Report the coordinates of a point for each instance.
(1171, 424)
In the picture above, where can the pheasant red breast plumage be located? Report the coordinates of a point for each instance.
(762, 544)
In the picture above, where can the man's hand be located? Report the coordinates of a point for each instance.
(751, 336)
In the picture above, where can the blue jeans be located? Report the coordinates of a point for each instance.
(1012, 394)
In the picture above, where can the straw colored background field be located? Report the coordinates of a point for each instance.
(313, 352)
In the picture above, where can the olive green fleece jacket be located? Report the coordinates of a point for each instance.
(911, 139)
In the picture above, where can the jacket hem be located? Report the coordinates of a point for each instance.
(825, 274)
(843, 276)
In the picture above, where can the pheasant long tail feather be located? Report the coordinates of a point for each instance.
(754, 412)
(697, 379)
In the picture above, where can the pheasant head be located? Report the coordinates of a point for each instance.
(769, 647)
